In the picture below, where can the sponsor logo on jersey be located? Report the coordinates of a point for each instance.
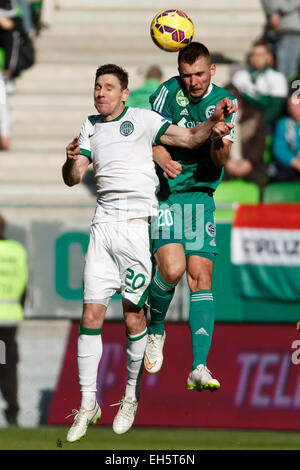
(210, 229)
(210, 111)
(184, 112)
(126, 128)
(181, 99)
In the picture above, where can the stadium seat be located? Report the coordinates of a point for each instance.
(2, 58)
(231, 192)
(282, 192)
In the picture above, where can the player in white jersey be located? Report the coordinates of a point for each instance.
(118, 141)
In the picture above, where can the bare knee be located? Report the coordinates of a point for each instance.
(172, 271)
(171, 263)
(93, 316)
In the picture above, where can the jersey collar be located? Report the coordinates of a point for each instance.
(119, 117)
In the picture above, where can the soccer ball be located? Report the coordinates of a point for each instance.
(172, 30)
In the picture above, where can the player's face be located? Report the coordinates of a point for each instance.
(197, 76)
(109, 97)
(259, 57)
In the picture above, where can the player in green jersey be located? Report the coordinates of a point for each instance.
(184, 231)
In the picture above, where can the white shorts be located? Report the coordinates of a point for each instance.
(118, 260)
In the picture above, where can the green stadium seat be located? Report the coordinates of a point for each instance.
(2, 58)
(232, 192)
(282, 192)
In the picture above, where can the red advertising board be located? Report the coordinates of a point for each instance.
(258, 367)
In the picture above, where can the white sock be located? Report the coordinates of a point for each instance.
(135, 348)
(89, 352)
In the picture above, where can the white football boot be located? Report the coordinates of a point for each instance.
(125, 417)
(153, 358)
(201, 379)
(82, 419)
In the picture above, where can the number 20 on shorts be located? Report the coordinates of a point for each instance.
(135, 281)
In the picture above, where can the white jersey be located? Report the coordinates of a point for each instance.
(269, 82)
(121, 153)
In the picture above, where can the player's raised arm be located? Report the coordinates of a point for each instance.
(76, 164)
(162, 157)
(220, 150)
(197, 136)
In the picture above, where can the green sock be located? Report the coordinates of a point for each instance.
(161, 295)
(201, 323)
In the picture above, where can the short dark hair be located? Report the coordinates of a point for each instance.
(261, 42)
(113, 69)
(192, 52)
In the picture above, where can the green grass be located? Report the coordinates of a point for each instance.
(103, 438)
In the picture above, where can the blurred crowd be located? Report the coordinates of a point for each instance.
(20, 22)
(267, 148)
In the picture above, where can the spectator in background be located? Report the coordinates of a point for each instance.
(13, 279)
(9, 41)
(26, 14)
(283, 27)
(260, 85)
(139, 98)
(245, 159)
(286, 144)
(16, 43)
(261, 93)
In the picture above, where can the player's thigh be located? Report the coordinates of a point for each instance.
(171, 262)
(101, 272)
(199, 224)
(134, 259)
(199, 273)
(167, 226)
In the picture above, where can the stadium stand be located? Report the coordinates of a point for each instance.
(233, 192)
(53, 97)
(51, 101)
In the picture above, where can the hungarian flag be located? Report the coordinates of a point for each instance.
(265, 251)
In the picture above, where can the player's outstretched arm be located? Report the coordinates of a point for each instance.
(197, 136)
(162, 157)
(76, 164)
(220, 148)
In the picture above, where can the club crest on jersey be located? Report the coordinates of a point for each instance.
(210, 229)
(126, 128)
(181, 99)
(210, 111)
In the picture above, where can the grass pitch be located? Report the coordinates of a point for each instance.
(103, 438)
